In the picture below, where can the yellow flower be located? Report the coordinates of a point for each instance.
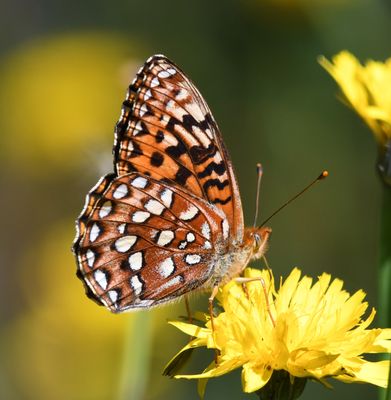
(309, 330)
(367, 90)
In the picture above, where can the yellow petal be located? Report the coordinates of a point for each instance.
(286, 291)
(383, 340)
(312, 359)
(370, 372)
(191, 330)
(255, 377)
(220, 369)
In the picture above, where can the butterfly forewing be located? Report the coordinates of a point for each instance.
(145, 242)
(167, 131)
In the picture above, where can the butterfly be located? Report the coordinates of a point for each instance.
(169, 219)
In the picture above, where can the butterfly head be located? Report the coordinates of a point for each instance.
(258, 239)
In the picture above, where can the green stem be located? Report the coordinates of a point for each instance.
(136, 357)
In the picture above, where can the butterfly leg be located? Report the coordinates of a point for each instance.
(244, 281)
(245, 290)
(211, 299)
(188, 311)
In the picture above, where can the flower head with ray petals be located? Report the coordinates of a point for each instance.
(365, 88)
(309, 330)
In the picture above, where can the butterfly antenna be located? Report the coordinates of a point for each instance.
(259, 178)
(323, 175)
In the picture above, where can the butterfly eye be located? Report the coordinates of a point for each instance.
(257, 241)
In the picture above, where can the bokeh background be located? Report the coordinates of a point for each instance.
(64, 70)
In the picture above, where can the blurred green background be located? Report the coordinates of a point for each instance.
(64, 70)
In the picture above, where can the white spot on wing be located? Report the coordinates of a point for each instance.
(140, 70)
(154, 207)
(171, 71)
(192, 259)
(143, 110)
(205, 230)
(90, 256)
(94, 232)
(182, 95)
(136, 284)
(167, 267)
(171, 282)
(189, 214)
(201, 136)
(195, 111)
(140, 216)
(143, 303)
(125, 243)
(140, 182)
(136, 261)
(163, 74)
(113, 295)
(166, 197)
(190, 237)
(137, 129)
(207, 245)
(105, 209)
(155, 82)
(120, 192)
(121, 228)
(165, 237)
(147, 95)
(182, 245)
(101, 279)
(225, 226)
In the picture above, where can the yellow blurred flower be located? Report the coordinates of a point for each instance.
(60, 98)
(367, 90)
(309, 330)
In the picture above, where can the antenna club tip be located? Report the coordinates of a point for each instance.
(324, 174)
(259, 168)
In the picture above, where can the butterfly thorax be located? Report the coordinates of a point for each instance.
(231, 263)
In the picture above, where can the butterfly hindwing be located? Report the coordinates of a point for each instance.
(144, 242)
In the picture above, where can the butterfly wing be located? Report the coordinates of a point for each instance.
(167, 131)
(142, 242)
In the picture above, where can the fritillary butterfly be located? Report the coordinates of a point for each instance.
(169, 220)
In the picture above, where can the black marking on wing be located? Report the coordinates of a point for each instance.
(213, 167)
(200, 154)
(217, 183)
(182, 175)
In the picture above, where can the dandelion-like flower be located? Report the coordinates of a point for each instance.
(308, 330)
(367, 89)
